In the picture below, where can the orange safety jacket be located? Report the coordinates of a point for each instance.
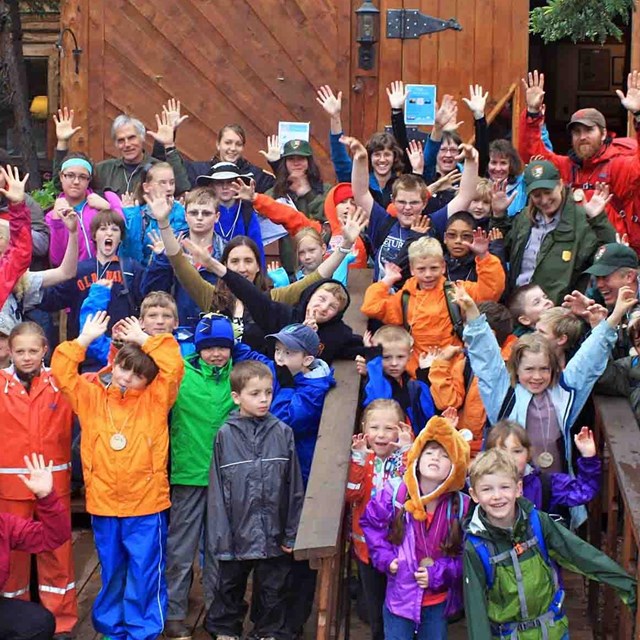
(134, 480)
(39, 421)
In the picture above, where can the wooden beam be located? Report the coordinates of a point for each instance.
(74, 87)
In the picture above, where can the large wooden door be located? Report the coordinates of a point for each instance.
(242, 61)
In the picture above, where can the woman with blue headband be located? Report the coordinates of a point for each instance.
(76, 172)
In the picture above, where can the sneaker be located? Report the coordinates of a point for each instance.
(176, 630)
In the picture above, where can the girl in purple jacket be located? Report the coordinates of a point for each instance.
(414, 535)
(552, 493)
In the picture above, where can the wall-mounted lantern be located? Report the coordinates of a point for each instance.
(367, 33)
(76, 51)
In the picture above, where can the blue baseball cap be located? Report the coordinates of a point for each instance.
(298, 337)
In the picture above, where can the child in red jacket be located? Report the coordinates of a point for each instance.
(20, 619)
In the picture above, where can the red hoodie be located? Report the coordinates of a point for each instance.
(293, 221)
(52, 529)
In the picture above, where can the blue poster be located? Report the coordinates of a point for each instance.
(420, 105)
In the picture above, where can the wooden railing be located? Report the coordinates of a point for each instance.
(321, 536)
(512, 92)
(618, 437)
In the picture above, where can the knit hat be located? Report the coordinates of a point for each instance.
(452, 441)
(296, 148)
(298, 337)
(611, 257)
(214, 330)
(541, 174)
(342, 192)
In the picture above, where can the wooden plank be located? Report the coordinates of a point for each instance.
(389, 58)
(95, 53)
(319, 531)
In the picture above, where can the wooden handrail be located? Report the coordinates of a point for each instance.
(493, 114)
(321, 535)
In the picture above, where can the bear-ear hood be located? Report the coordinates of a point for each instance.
(438, 429)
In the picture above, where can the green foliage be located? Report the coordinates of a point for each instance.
(581, 20)
(46, 196)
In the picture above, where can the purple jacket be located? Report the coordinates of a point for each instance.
(565, 490)
(404, 596)
(60, 236)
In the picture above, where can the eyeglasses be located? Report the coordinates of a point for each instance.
(450, 151)
(201, 214)
(465, 236)
(79, 177)
(412, 203)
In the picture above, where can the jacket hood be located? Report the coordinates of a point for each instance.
(240, 422)
(319, 369)
(439, 430)
(196, 363)
(309, 291)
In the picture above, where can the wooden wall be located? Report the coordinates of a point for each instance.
(258, 62)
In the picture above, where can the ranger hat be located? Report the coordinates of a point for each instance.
(297, 148)
(223, 171)
(541, 174)
(611, 257)
(589, 117)
(298, 337)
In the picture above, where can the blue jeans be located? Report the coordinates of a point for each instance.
(433, 625)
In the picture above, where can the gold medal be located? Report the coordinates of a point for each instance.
(427, 562)
(578, 195)
(118, 442)
(545, 460)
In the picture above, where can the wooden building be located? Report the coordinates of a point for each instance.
(257, 62)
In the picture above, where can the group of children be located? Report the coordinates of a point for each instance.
(199, 389)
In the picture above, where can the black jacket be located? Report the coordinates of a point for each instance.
(337, 339)
(255, 491)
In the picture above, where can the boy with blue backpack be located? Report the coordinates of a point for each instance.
(511, 583)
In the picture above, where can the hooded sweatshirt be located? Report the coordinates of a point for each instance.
(424, 533)
(337, 339)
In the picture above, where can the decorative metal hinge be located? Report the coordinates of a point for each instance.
(411, 23)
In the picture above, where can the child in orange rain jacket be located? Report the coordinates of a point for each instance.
(125, 443)
(453, 383)
(421, 305)
(338, 203)
(376, 456)
(35, 415)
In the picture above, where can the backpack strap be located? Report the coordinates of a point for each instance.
(453, 308)
(382, 232)
(404, 300)
(247, 214)
(484, 553)
(399, 495)
(545, 484)
(507, 404)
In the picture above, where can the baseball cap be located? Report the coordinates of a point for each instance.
(342, 192)
(589, 117)
(541, 174)
(296, 148)
(298, 337)
(223, 171)
(214, 330)
(611, 257)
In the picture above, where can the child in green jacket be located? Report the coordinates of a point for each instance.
(511, 584)
(203, 404)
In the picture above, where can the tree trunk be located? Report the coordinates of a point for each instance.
(11, 51)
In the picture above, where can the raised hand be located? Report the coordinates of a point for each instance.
(453, 124)
(427, 358)
(172, 111)
(359, 442)
(450, 180)
(155, 242)
(243, 191)
(533, 86)
(599, 200)
(70, 220)
(449, 352)
(158, 207)
(480, 244)
(416, 156)
(310, 320)
(392, 274)
(131, 331)
(94, 327)
(97, 202)
(13, 187)
(595, 314)
(622, 239)
(585, 443)
(59, 207)
(465, 302)
(331, 103)
(467, 152)
(477, 101)
(40, 480)
(578, 303)
(355, 147)
(361, 365)
(354, 225)
(64, 124)
(495, 234)
(421, 224)
(272, 265)
(397, 94)
(446, 111)
(405, 436)
(272, 154)
(198, 254)
(631, 102)
(128, 200)
(627, 299)
(165, 133)
(450, 414)
(500, 201)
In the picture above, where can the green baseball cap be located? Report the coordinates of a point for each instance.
(611, 257)
(296, 148)
(541, 174)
